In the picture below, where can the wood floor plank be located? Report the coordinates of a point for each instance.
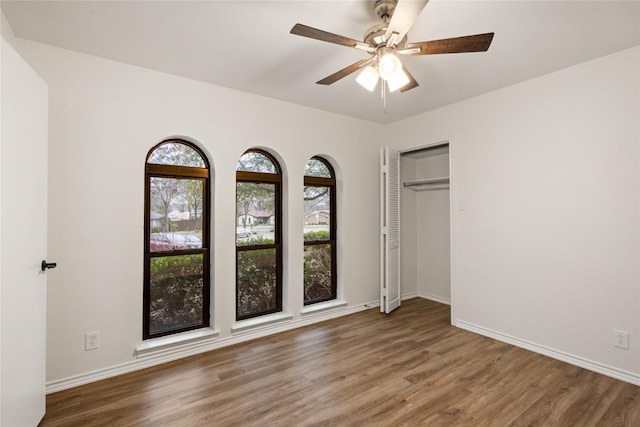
(407, 368)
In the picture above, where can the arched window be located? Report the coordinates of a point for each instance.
(176, 239)
(258, 235)
(320, 281)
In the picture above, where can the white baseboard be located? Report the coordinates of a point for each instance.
(600, 368)
(409, 296)
(425, 295)
(435, 298)
(192, 349)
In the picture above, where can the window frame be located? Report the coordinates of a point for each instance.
(264, 178)
(316, 181)
(178, 172)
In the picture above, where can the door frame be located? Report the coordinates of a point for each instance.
(453, 226)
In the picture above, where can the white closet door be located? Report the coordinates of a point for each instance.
(390, 230)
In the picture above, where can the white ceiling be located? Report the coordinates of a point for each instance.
(246, 45)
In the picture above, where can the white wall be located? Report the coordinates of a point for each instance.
(408, 236)
(5, 29)
(547, 221)
(547, 183)
(105, 116)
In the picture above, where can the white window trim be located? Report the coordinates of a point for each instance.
(322, 307)
(175, 342)
(255, 323)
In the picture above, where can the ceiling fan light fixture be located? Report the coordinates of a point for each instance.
(397, 81)
(389, 66)
(368, 78)
(386, 38)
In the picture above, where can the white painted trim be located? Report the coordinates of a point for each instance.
(409, 296)
(435, 298)
(453, 226)
(320, 307)
(199, 346)
(597, 367)
(424, 147)
(260, 322)
(175, 342)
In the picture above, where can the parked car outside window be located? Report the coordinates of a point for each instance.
(243, 232)
(173, 241)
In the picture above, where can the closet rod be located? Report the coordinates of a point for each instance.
(428, 181)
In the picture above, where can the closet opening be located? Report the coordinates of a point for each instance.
(425, 217)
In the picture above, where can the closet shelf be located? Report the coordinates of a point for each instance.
(428, 184)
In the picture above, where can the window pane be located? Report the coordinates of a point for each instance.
(317, 273)
(255, 210)
(256, 277)
(317, 213)
(315, 167)
(176, 213)
(177, 154)
(176, 292)
(256, 162)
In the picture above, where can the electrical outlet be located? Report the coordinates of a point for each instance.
(91, 340)
(621, 339)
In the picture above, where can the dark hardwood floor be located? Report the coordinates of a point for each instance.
(409, 368)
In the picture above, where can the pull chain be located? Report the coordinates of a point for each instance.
(383, 95)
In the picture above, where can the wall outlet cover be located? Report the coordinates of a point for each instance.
(91, 340)
(621, 339)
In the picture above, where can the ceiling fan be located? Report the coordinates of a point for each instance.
(386, 40)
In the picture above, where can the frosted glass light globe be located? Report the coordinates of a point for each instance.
(389, 66)
(368, 78)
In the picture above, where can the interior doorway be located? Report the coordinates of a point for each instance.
(425, 206)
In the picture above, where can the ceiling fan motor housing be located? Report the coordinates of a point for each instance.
(375, 36)
(384, 9)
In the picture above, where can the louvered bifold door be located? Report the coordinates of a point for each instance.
(389, 230)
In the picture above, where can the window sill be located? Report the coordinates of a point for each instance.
(258, 322)
(322, 306)
(176, 342)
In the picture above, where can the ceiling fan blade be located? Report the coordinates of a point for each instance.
(412, 82)
(475, 43)
(314, 33)
(404, 15)
(345, 71)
